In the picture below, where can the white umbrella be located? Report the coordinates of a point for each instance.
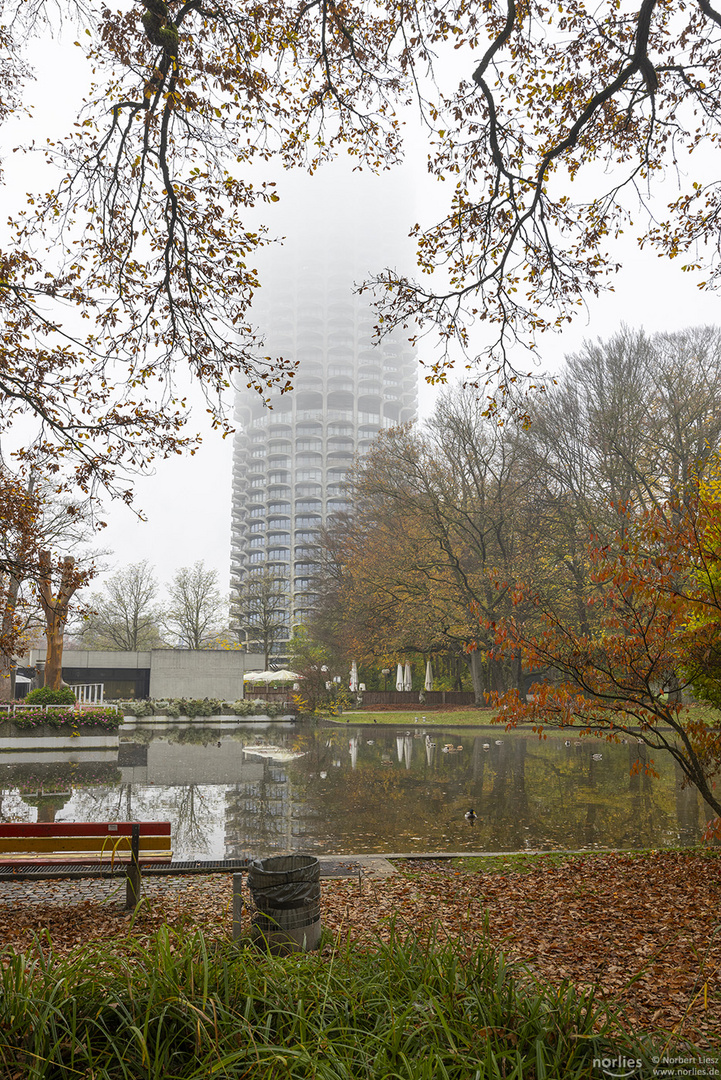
(408, 680)
(353, 685)
(271, 676)
(429, 676)
(399, 678)
(274, 753)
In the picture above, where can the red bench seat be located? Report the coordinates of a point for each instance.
(108, 842)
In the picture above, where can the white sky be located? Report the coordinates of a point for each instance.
(187, 501)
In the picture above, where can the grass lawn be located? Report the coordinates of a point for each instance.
(408, 718)
(473, 717)
(522, 863)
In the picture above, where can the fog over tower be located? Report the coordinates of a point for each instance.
(290, 462)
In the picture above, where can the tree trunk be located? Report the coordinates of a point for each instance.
(54, 656)
(7, 680)
(518, 669)
(475, 664)
(497, 672)
(55, 609)
(7, 663)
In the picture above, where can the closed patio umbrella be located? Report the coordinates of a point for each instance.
(408, 679)
(353, 684)
(399, 678)
(429, 676)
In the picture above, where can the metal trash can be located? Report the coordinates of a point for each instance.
(286, 894)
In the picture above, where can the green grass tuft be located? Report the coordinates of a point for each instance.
(181, 1008)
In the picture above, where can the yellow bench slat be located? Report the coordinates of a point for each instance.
(99, 844)
(70, 856)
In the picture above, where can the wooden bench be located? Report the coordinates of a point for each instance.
(114, 846)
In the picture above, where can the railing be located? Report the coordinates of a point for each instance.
(263, 692)
(411, 697)
(11, 707)
(86, 694)
(89, 693)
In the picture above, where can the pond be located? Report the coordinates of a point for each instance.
(255, 789)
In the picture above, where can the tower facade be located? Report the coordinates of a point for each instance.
(290, 462)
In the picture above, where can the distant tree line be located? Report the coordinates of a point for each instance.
(128, 615)
(450, 515)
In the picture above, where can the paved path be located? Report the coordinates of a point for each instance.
(72, 891)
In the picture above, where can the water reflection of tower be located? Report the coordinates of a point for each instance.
(259, 814)
(263, 815)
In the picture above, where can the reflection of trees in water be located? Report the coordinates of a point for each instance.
(526, 793)
(124, 802)
(194, 819)
(188, 807)
(497, 791)
(531, 793)
(350, 807)
(692, 813)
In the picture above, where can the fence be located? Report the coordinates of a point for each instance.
(262, 692)
(411, 697)
(89, 693)
(11, 707)
(407, 698)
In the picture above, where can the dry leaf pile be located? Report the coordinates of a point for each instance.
(646, 931)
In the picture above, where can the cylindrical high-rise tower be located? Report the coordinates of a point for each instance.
(290, 462)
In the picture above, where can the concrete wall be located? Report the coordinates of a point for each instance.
(174, 673)
(185, 763)
(87, 658)
(188, 673)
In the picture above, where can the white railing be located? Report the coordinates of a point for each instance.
(89, 693)
(11, 707)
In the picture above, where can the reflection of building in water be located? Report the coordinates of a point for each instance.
(264, 815)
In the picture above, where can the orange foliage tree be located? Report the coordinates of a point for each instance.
(443, 520)
(654, 629)
(32, 520)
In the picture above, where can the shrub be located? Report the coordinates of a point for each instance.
(101, 717)
(57, 776)
(195, 707)
(45, 695)
(137, 708)
(175, 708)
(241, 708)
